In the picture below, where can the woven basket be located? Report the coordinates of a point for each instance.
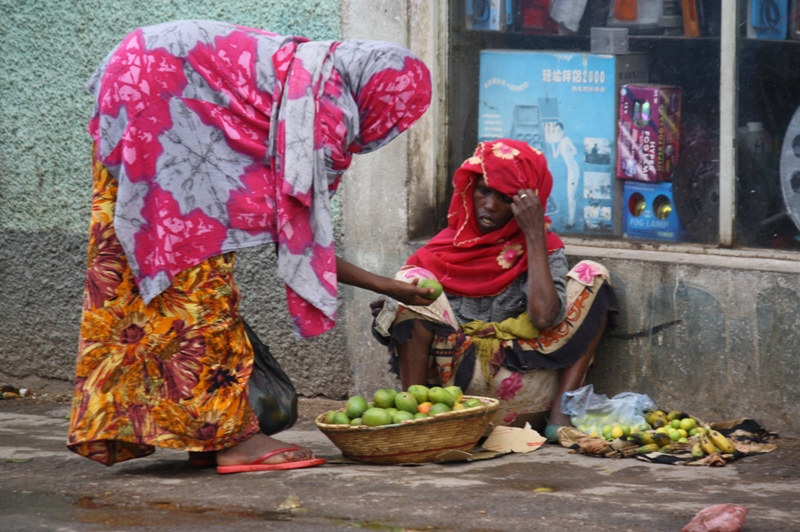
(414, 441)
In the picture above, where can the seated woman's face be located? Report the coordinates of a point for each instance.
(492, 208)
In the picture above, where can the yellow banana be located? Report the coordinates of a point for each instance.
(722, 443)
(661, 439)
(706, 444)
(674, 414)
(656, 415)
(644, 449)
(697, 451)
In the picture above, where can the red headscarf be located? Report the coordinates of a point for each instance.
(469, 263)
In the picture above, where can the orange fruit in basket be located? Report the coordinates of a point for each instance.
(425, 407)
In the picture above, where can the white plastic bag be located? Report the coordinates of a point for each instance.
(590, 412)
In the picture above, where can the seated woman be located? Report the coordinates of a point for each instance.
(514, 322)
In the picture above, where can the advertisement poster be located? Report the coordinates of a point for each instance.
(565, 105)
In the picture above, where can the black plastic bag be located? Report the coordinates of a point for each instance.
(271, 392)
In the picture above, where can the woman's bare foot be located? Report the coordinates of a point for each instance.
(256, 447)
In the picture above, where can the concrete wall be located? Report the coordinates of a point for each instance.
(50, 48)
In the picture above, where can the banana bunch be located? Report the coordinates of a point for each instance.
(675, 431)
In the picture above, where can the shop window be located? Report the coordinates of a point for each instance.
(626, 109)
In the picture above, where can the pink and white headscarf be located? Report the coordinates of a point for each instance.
(224, 137)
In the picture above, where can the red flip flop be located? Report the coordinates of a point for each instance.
(258, 465)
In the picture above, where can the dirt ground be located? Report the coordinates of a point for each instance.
(43, 486)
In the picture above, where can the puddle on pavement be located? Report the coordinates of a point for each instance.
(90, 513)
(165, 513)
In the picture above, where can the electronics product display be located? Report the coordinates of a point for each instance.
(490, 15)
(695, 188)
(767, 19)
(790, 169)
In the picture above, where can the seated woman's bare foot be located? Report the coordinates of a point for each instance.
(558, 418)
(256, 447)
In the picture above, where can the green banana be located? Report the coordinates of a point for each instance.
(667, 449)
(721, 442)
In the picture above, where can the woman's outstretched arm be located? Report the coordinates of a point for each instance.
(406, 293)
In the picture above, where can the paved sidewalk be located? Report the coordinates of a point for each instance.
(45, 487)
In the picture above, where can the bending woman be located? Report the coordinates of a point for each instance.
(210, 138)
(513, 321)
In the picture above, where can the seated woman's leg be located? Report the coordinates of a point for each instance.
(573, 377)
(413, 356)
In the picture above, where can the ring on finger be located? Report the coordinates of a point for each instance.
(523, 195)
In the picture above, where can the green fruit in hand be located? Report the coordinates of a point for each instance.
(384, 398)
(355, 406)
(404, 401)
(375, 417)
(431, 283)
(439, 408)
(341, 419)
(402, 415)
(419, 392)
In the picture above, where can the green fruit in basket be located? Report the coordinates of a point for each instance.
(420, 415)
(472, 402)
(384, 398)
(440, 395)
(341, 419)
(402, 415)
(419, 392)
(439, 408)
(355, 406)
(404, 401)
(375, 417)
(392, 411)
(357, 422)
(329, 417)
(456, 392)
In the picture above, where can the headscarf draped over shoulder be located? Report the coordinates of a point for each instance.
(224, 137)
(466, 262)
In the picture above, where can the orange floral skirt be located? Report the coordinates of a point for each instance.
(172, 373)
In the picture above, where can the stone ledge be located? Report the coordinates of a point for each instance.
(755, 260)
